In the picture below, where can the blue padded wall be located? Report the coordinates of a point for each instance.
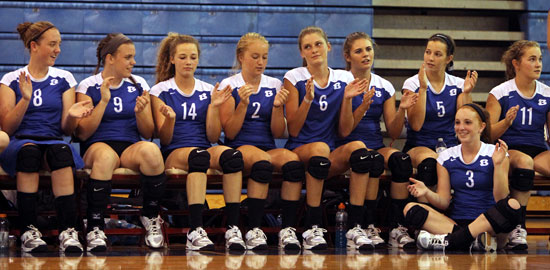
(216, 24)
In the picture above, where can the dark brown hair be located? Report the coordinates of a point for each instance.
(101, 59)
(449, 42)
(350, 39)
(516, 51)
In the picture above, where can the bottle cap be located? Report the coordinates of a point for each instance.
(341, 206)
(3, 215)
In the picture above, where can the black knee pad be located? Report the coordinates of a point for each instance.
(231, 161)
(377, 164)
(427, 172)
(59, 156)
(360, 161)
(262, 172)
(198, 160)
(416, 216)
(522, 179)
(294, 171)
(318, 167)
(502, 217)
(29, 159)
(400, 166)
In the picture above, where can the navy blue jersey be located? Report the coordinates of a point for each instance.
(43, 116)
(322, 118)
(190, 126)
(368, 129)
(440, 112)
(528, 127)
(256, 128)
(119, 119)
(472, 183)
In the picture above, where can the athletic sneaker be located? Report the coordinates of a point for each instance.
(288, 239)
(357, 239)
(68, 241)
(153, 235)
(517, 239)
(430, 241)
(313, 238)
(399, 238)
(31, 241)
(256, 239)
(234, 239)
(198, 240)
(373, 234)
(96, 240)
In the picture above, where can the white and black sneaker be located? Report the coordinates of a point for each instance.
(517, 239)
(357, 239)
(198, 240)
(153, 235)
(288, 239)
(68, 241)
(31, 241)
(373, 234)
(234, 239)
(96, 240)
(428, 241)
(256, 239)
(314, 238)
(399, 238)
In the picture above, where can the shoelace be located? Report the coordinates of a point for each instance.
(438, 241)
(259, 233)
(98, 233)
(234, 232)
(290, 232)
(35, 233)
(373, 231)
(201, 232)
(154, 226)
(357, 229)
(318, 231)
(71, 233)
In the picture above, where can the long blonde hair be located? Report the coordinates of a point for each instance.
(243, 43)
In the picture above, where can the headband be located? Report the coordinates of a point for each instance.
(478, 110)
(37, 36)
(113, 44)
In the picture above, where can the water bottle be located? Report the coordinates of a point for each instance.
(341, 220)
(440, 146)
(4, 232)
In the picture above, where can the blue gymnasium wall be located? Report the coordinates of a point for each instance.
(216, 24)
(534, 23)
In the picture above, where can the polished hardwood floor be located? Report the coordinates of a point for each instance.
(131, 257)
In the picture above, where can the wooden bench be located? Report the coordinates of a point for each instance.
(127, 179)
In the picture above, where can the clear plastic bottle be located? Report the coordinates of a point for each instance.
(341, 226)
(4, 232)
(440, 146)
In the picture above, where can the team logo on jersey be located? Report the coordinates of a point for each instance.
(484, 162)
(452, 159)
(453, 92)
(268, 93)
(378, 93)
(203, 96)
(131, 89)
(542, 102)
(54, 82)
(337, 86)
